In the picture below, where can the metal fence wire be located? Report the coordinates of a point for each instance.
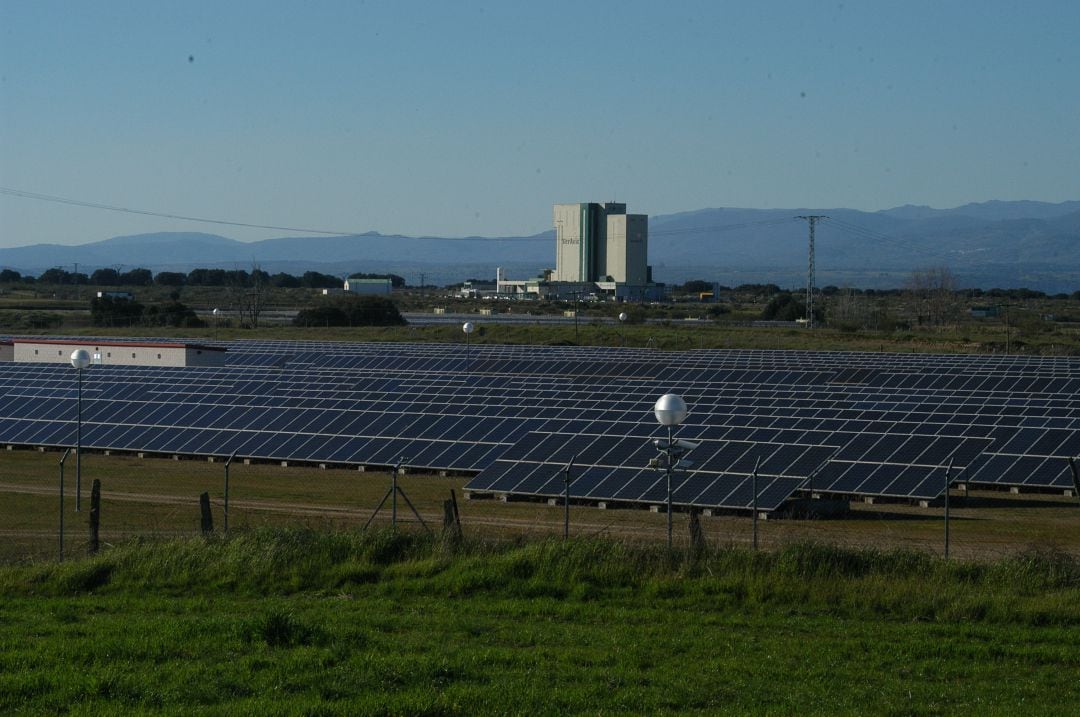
(159, 497)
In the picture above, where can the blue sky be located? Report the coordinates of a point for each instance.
(474, 118)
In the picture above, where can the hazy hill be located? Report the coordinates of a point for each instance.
(1034, 244)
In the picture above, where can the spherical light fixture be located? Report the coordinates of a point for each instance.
(80, 358)
(670, 410)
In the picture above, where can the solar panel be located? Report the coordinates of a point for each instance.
(861, 424)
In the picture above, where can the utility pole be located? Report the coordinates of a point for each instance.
(811, 219)
(421, 286)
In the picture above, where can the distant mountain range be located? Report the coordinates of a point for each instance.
(992, 244)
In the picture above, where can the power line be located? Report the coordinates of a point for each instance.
(861, 232)
(22, 194)
(7, 191)
(717, 228)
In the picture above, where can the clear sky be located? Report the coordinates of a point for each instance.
(458, 118)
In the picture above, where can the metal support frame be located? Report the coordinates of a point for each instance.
(392, 493)
(811, 278)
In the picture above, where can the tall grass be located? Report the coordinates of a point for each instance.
(803, 578)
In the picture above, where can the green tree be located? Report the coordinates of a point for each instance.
(695, 286)
(786, 307)
(137, 277)
(285, 281)
(351, 310)
(172, 313)
(55, 275)
(105, 277)
(315, 280)
(170, 278)
(108, 311)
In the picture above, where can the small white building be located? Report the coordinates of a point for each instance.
(358, 285)
(118, 353)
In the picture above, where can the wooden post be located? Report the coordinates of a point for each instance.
(457, 514)
(62, 459)
(95, 516)
(207, 523)
(697, 535)
(1076, 478)
(948, 486)
(447, 515)
(451, 518)
(757, 464)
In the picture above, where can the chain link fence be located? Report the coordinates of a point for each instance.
(159, 497)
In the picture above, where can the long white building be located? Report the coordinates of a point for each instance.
(118, 353)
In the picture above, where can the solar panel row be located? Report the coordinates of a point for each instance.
(878, 424)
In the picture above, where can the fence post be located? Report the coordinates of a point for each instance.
(697, 535)
(757, 464)
(207, 523)
(948, 485)
(451, 519)
(62, 459)
(1076, 478)
(227, 464)
(95, 516)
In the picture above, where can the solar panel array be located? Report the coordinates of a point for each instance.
(838, 423)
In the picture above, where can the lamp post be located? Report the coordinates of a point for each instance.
(670, 411)
(467, 327)
(622, 322)
(80, 359)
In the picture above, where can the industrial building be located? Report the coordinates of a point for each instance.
(601, 242)
(600, 252)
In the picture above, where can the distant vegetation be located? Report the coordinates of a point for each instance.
(351, 310)
(196, 277)
(927, 314)
(110, 311)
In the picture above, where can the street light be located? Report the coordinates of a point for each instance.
(80, 359)
(622, 322)
(671, 411)
(467, 327)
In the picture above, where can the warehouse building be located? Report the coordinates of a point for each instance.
(361, 285)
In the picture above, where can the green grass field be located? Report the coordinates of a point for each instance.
(300, 611)
(278, 621)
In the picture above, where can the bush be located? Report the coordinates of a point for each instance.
(351, 310)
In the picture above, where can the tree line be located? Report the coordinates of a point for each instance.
(195, 277)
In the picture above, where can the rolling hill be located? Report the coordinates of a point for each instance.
(996, 243)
